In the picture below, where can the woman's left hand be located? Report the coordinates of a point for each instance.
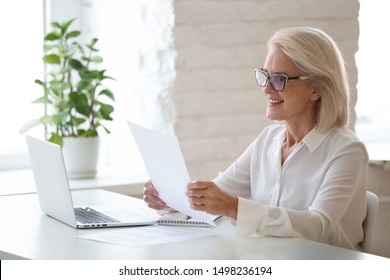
(208, 197)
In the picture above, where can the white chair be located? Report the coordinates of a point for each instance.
(369, 221)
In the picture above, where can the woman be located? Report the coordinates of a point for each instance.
(305, 175)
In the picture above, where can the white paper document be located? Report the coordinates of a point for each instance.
(165, 164)
(146, 235)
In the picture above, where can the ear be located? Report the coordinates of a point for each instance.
(315, 95)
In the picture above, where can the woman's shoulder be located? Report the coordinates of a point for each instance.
(271, 132)
(274, 129)
(346, 134)
(344, 138)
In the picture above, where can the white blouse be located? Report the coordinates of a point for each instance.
(319, 193)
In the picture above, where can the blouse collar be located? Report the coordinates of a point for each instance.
(312, 140)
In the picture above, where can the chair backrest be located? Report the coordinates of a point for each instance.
(369, 221)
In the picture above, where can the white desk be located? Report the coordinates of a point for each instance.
(28, 233)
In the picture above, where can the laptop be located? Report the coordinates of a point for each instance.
(55, 197)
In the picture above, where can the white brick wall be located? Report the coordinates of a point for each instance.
(220, 109)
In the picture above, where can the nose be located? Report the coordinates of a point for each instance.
(268, 88)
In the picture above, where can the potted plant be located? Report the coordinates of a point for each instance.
(74, 97)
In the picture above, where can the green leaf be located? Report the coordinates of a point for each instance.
(107, 131)
(87, 74)
(54, 119)
(42, 100)
(83, 109)
(55, 24)
(105, 128)
(97, 59)
(103, 77)
(91, 133)
(62, 104)
(52, 36)
(71, 51)
(73, 34)
(106, 110)
(93, 41)
(28, 125)
(84, 85)
(56, 139)
(39, 82)
(76, 64)
(47, 48)
(58, 86)
(77, 121)
(78, 47)
(65, 25)
(44, 119)
(81, 132)
(92, 44)
(107, 93)
(52, 59)
(80, 102)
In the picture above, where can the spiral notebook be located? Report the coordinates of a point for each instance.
(176, 218)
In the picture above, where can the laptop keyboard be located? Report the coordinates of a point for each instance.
(90, 216)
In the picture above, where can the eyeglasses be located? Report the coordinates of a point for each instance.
(278, 81)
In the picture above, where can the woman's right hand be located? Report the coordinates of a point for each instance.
(151, 197)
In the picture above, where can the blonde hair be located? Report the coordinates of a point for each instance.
(317, 55)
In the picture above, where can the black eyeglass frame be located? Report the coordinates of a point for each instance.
(268, 78)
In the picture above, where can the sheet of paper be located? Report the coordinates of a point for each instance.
(165, 164)
(147, 235)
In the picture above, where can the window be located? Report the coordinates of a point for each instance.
(373, 58)
(20, 55)
(136, 42)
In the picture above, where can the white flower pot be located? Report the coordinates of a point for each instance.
(81, 156)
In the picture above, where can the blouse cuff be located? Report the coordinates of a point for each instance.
(251, 217)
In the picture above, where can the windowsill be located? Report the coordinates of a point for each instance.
(378, 151)
(377, 141)
(22, 182)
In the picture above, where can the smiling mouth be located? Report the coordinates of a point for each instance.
(274, 101)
